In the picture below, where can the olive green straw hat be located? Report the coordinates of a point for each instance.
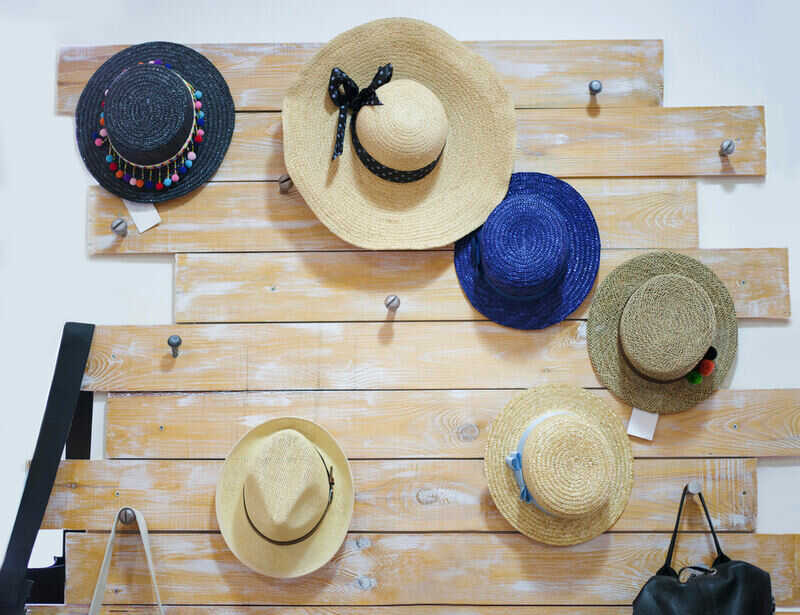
(559, 465)
(662, 332)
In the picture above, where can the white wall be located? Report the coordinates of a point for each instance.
(731, 52)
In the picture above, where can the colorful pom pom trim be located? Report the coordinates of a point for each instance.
(166, 173)
(704, 369)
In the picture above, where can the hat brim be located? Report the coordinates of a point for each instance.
(504, 434)
(605, 351)
(217, 101)
(581, 272)
(472, 174)
(262, 556)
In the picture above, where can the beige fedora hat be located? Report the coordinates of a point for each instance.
(285, 498)
(433, 151)
(559, 465)
(662, 332)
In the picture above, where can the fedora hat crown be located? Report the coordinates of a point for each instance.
(524, 248)
(408, 130)
(667, 326)
(286, 488)
(568, 466)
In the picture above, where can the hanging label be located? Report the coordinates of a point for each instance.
(642, 424)
(145, 215)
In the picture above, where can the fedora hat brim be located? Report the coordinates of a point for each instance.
(605, 350)
(262, 556)
(472, 174)
(584, 259)
(504, 435)
(217, 102)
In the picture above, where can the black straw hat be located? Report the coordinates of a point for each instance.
(154, 122)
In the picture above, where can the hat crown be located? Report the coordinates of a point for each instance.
(408, 130)
(667, 326)
(149, 114)
(568, 466)
(286, 490)
(524, 247)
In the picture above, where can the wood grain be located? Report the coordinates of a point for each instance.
(391, 495)
(388, 355)
(351, 286)
(43, 609)
(637, 142)
(475, 569)
(255, 217)
(388, 424)
(536, 73)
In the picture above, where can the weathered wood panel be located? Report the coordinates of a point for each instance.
(387, 424)
(477, 568)
(351, 286)
(537, 73)
(639, 142)
(255, 217)
(388, 355)
(391, 495)
(43, 609)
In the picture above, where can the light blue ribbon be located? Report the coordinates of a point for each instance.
(514, 459)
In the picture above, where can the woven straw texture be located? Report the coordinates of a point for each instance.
(284, 561)
(653, 320)
(542, 239)
(471, 176)
(577, 465)
(154, 114)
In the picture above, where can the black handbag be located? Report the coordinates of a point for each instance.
(729, 587)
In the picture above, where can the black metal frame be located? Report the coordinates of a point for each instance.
(67, 422)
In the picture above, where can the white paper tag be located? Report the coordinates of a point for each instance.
(642, 424)
(145, 215)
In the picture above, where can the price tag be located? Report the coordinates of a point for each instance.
(642, 424)
(145, 215)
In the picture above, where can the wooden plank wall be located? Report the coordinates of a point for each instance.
(290, 320)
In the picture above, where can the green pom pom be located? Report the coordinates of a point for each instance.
(694, 377)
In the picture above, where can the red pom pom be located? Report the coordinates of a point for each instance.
(139, 183)
(198, 139)
(102, 121)
(159, 186)
(119, 174)
(103, 103)
(113, 166)
(706, 367)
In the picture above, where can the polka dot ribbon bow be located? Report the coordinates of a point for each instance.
(345, 94)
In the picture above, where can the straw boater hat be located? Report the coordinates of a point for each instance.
(662, 332)
(434, 148)
(559, 465)
(154, 122)
(285, 498)
(535, 259)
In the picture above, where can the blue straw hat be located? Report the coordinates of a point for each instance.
(535, 258)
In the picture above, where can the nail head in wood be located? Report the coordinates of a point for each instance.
(120, 227)
(392, 302)
(285, 184)
(174, 341)
(127, 516)
(727, 148)
(595, 87)
(695, 487)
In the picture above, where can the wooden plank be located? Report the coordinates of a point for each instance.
(387, 424)
(470, 568)
(255, 217)
(388, 355)
(638, 142)
(351, 286)
(58, 609)
(536, 73)
(391, 495)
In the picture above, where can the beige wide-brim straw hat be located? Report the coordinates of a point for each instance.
(577, 463)
(651, 321)
(441, 91)
(324, 539)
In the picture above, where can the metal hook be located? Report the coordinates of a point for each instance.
(174, 341)
(694, 487)
(727, 148)
(127, 516)
(285, 184)
(392, 302)
(595, 87)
